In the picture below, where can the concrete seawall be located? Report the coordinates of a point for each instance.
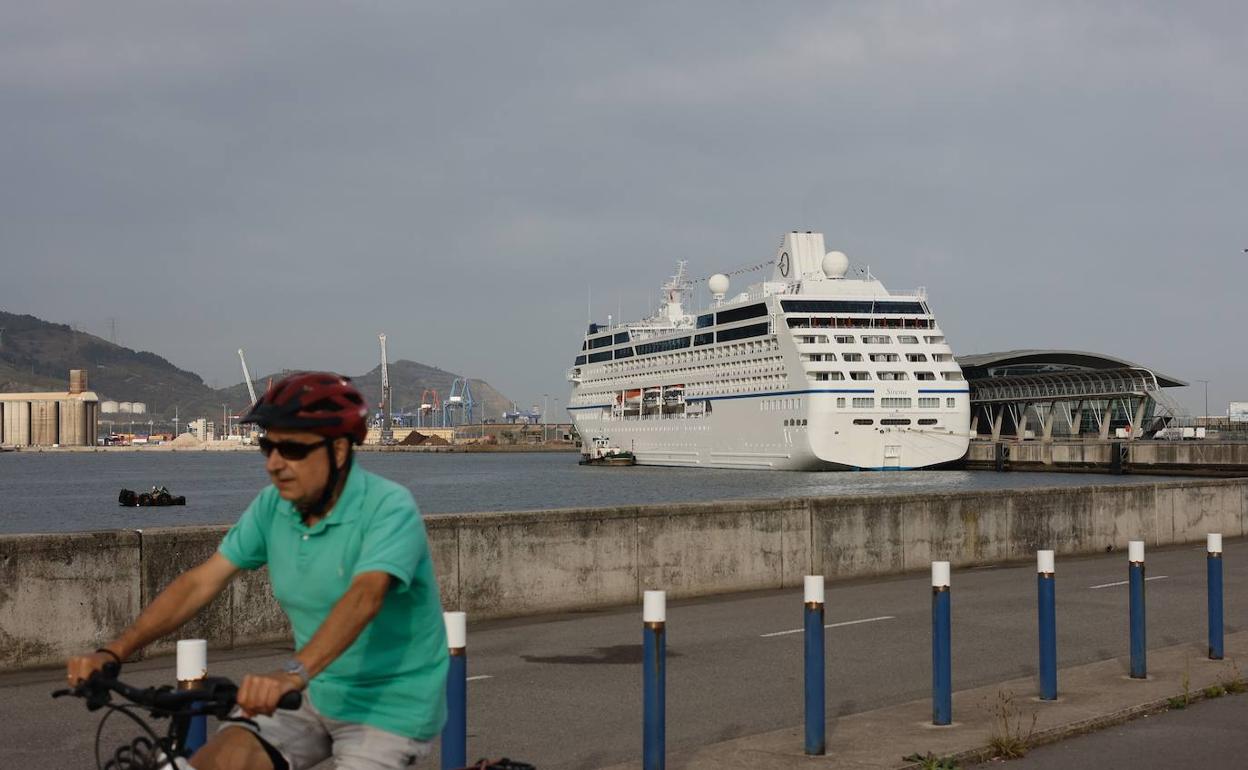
(69, 592)
(1197, 458)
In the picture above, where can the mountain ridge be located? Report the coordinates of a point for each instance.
(36, 355)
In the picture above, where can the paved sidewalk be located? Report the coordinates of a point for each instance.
(1090, 697)
(1208, 735)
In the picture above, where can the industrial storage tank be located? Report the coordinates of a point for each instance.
(108, 407)
(74, 430)
(138, 407)
(125, 407)
(17, 423)
(44, 423)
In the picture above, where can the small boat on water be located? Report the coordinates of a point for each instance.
(159, 496)
(602, 453)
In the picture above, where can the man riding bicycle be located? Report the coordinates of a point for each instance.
(349, 563)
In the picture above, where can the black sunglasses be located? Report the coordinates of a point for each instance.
(289, 450)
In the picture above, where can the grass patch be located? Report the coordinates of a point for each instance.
(1009, 739)
(930, 761)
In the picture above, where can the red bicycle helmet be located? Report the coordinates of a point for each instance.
(318, 402)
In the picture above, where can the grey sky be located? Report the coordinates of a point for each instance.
(296, 177)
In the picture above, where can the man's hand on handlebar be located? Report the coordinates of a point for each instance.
(260, 693)
(79, 668)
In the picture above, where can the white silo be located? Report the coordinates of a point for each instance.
(138, 407)
(108, 407)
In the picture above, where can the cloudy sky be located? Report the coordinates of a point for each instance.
(295, 177)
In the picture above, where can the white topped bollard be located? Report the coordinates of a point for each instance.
(455, 731)
(1046, 616)
(192, 667)
(942, 675)
(1213, 570)
(1135, 580)
(814, 694)
(192, 662)
(654, 680)
(654, 607)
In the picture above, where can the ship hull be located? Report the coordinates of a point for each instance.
(812, 436)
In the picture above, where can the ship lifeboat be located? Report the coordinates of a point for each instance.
(629, 397)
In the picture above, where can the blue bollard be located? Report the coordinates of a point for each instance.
(654, 681)
(1047, 616)
(816, 740)
(192, 666)
(1213, 564)
(1139, 648)
(455, 732)
(942, 676)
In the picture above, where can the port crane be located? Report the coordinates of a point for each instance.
(387, 431)
(459, 399)
(430, 408)
(251, 389)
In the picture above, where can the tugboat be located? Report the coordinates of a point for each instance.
(159, 496)
(602, 453)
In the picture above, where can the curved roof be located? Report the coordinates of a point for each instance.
(976, 366)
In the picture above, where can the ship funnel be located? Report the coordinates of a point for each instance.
(800, 257)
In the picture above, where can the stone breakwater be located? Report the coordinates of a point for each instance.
(68, 592)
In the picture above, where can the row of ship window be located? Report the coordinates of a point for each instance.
(676, 343)
(914, 358)
(801, 423)
(869, 339)
(887, 376)
(860, 402)
(861, 323)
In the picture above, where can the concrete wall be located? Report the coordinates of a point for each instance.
(1203, 457)
(64, 593)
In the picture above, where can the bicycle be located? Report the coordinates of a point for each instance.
(214, 696)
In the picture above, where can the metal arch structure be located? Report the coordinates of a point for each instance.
(1071, 403)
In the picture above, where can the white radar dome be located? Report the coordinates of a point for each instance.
(718, 284)
(835, 264)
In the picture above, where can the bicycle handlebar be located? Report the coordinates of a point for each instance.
(215, 695)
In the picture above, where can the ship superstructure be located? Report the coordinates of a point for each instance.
(810, 369)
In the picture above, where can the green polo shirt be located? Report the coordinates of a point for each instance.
(394, 675)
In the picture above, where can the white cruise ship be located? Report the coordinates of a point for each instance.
(811, 369)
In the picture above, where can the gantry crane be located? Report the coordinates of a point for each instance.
(430, 408)
(460, 400)
(387, 431)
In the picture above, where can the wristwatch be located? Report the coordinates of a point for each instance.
(293, 666)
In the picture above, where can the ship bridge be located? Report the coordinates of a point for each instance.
(1068, 393)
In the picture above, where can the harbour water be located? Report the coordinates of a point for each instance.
(54, 492)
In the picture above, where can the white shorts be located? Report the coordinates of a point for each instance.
(305, 737)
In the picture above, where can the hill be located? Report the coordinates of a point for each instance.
(37, 355)
(408, 380)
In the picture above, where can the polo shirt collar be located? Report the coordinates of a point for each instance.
(345, 508)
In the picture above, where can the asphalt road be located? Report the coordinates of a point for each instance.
(565, 692)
